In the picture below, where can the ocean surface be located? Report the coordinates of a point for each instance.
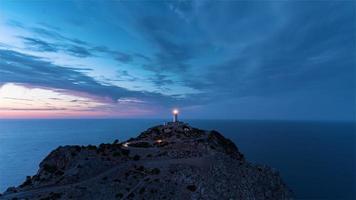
(315, 159)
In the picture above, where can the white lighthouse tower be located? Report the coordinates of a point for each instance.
(175, 115)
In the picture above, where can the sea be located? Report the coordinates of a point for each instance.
(316, 159)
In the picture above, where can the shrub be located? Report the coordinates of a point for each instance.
(92, 147)
(27, 182)
(125, 152)
(192, 188)
(140, 144)
(56, 195)
(155, 171)
(103, 146)
(119, 195)
(59, 173)
(78, 148)
(141, 168)
(49, 168)
(116, 153)
(136, 158)
(142, 190)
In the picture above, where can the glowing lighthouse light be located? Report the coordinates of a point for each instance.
(175, 115)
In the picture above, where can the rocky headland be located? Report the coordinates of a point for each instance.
(171, 161)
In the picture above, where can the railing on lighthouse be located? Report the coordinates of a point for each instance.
(175, 115)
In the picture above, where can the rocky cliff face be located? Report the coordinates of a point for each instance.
(173, 161)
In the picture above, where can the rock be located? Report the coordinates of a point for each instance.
(171, 161)
(10, 190)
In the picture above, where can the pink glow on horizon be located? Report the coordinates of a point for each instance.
(30, 102)
(47, 114)
(44, 114)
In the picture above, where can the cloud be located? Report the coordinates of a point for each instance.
(15, 23)
(123, 57)
(34, 109)
(51, 34)
(82, 50)
(219, 50)
(78, 41)
(170, 55)
(78, 51)
(146, 58)
(44, 46)
(124, 75)
(72, 46)
(161, 80)
(46, 25)
(300, 52)
(39, 45)
(32, 71)
(117, 55)
(18, 99)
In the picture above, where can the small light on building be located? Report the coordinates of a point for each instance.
(175, 115)
(126, 144)
(158, 141)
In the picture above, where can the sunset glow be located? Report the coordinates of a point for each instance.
(17, 101)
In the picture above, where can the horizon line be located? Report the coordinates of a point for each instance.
(208, 119)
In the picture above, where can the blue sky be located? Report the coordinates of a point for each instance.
(211, 59)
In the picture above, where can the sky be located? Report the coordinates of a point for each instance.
(211, 59)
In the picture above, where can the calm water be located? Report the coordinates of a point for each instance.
(316, 159)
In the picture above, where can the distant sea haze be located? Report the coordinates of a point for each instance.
(315, 159)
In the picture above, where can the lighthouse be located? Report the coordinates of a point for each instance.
(175, 115)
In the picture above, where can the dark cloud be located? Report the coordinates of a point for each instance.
(73, 46)
(47, 33)
(145, 58)
(171, 55)
(161, 80)
(78, 51)
(39, 45)
(44, 46)
(117, 55)
(79, 69)
(304, 54)
(32, 71)
(123, 57)
(15, 23)
(124, 75)
(56, 99)
(102, 49)
(263, 54)
(77, 41)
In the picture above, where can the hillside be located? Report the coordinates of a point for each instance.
(171, 161)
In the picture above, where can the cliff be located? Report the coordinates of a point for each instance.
(172, 161)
